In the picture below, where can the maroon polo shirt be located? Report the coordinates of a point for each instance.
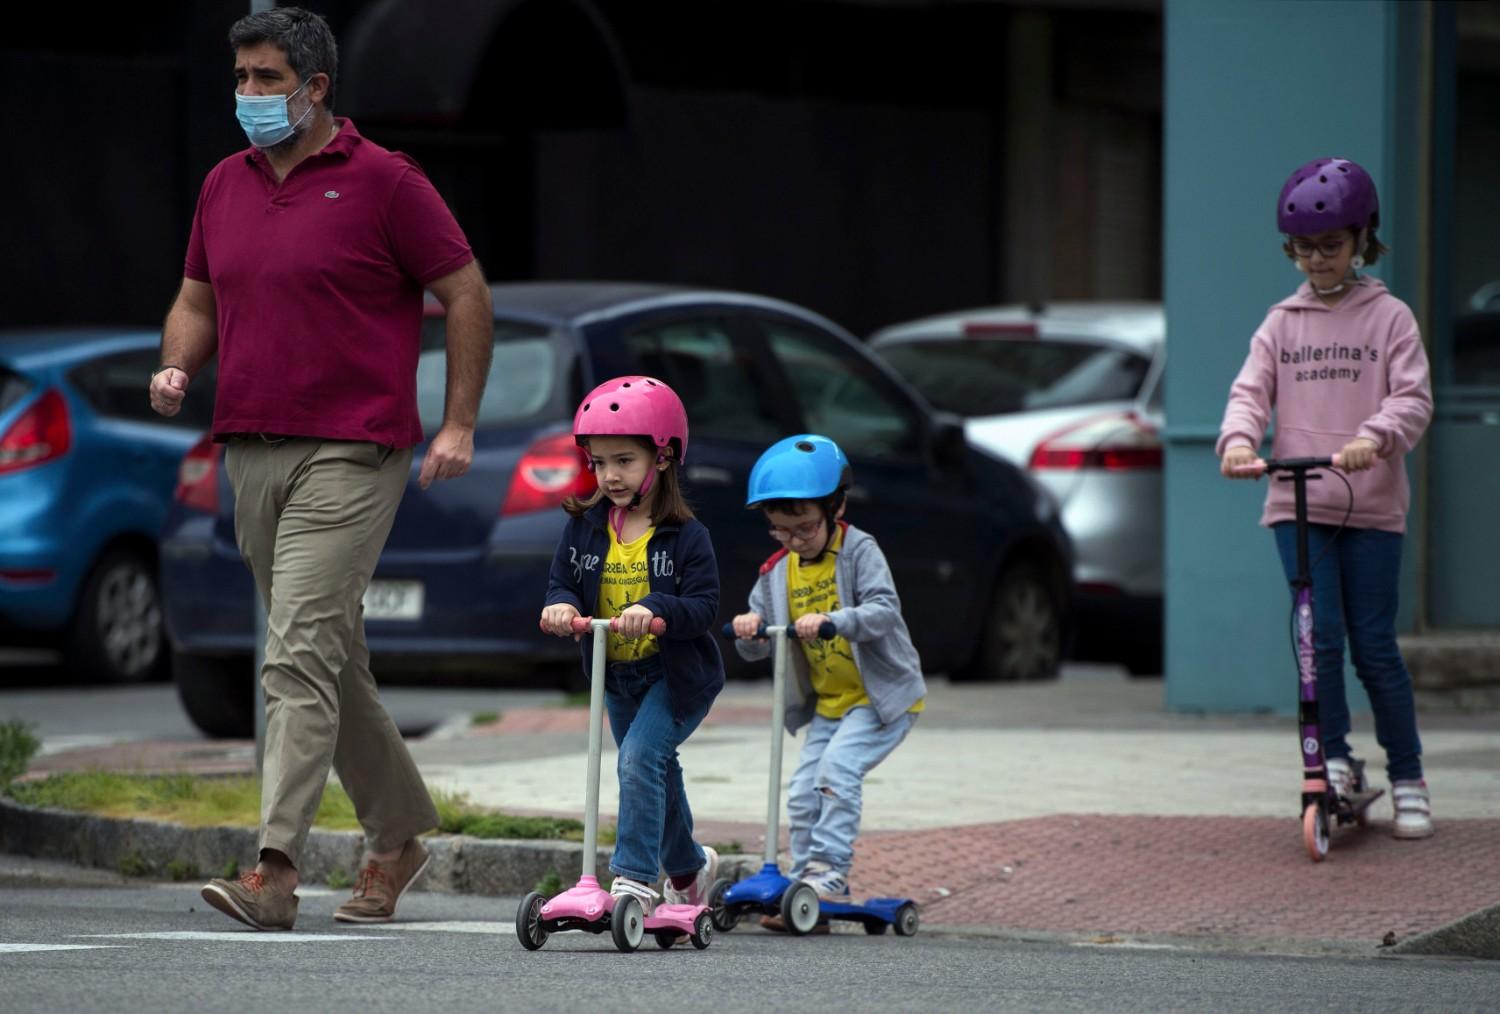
(318, 280)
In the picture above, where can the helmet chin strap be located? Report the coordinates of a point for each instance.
(617, 514)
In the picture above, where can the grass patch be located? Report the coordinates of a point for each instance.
(180, 870)
(575, 700)
(133, 864)
(550, 885)
(231, 870)
(200, 801)
(484, 718)
(17, 746)
(727, 848)
(338, 878)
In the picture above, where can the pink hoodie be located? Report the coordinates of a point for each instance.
(1333, 373)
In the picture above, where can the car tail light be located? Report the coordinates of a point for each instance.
(198, 477)
(1116, 442)
(42, 434)
(550, 470)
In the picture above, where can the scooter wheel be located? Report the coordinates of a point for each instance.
(876, 927)
(724, 919)
(666, 940)
(703, 931)
(799, 909)
(627, 924)
(907, 920)
(529, 921)
(1315, 831)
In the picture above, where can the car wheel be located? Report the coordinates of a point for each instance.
(218, 693)
(1023, 634)
(1144, 658)
(116, 633)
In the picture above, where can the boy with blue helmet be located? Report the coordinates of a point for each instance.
(859, 693)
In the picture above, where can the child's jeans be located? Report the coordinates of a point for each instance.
(823, 801)
(655, 829)
(1356, 579)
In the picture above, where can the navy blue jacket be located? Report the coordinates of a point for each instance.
(684, 593)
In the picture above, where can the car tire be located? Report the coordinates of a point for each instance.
(217, 692)
(116, 634)
(1023, 629)
(1143, 660)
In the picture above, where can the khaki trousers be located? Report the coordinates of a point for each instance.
(311, 517)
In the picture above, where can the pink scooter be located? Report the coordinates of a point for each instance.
(586, 906)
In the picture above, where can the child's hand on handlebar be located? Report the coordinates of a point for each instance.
(558, 619)
(1358, 455)
(746, 625)
(809, 625)
(1236, 458)
(635, 621)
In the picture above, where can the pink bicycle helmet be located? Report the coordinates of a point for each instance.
(634, 406)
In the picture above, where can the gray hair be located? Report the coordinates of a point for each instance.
(303, 36)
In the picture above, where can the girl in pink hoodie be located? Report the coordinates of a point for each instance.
(1342, 363)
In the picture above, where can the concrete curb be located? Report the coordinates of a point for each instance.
(1476, 935)
(148, 848)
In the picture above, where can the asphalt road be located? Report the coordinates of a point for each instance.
(160, 948)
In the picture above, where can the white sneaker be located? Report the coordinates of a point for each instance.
(1413, 809)
(827, 881)
(1341, 776)
(634, 888)
(697, 894)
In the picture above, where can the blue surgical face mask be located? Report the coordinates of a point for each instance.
(264, 117)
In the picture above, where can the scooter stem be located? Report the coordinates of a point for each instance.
(600, 628)
(778, 708)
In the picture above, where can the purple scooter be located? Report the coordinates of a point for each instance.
(1320, 801)
(586, 906)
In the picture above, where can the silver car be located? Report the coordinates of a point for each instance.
(1072, 392)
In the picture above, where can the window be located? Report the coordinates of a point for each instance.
(522, 383)
(842, 395)
(13, 388)
(979, 377)
(715, 381)
(116, 387)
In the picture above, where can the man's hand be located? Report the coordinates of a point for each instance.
(168, 388)
(747, 625)
(1358, 455)
(448, 456)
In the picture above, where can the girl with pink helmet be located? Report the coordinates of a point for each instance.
(633, 550)
(1342, 364)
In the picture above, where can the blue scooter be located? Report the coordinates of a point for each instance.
(769, 892)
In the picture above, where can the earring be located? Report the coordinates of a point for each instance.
(1357, 261)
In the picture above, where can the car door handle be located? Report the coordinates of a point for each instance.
(710, 476)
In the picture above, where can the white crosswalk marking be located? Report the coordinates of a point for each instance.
(456, 926)
(24, 948)
(247, 936)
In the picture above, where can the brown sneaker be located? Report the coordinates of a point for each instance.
(381, 885)
(253, 901)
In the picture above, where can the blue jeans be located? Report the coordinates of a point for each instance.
(1356, 580)
(823, 801)
(655, 829)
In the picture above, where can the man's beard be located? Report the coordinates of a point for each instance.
(285, 146)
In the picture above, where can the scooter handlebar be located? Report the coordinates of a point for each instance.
(581, 624)
(826, 631)
(1262, 466)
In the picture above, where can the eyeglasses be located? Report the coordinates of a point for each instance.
(804, 531)
(1328, 247)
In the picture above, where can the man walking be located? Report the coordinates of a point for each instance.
(304, 273)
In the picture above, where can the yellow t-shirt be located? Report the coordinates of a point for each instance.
(625, 581)
(812, 588)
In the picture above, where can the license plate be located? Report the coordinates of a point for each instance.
(393, 600)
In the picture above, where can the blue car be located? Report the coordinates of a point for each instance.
(87, 472)
(980, 558)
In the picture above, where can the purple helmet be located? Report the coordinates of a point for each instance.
(1327, 194)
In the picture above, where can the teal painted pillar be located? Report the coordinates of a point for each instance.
(1254, 88)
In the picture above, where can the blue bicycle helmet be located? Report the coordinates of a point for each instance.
(804, 467)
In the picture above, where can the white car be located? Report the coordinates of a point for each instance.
(1072, 392)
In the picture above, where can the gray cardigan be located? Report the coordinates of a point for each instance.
(870, 621)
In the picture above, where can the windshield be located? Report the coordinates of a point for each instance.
(979, 377)
(523, 377)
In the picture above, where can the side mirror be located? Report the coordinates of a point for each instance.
(949, 445)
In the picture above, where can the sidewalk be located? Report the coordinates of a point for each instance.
(1076, 807)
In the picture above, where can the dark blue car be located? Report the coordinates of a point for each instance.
(980, 560)
(86, 475)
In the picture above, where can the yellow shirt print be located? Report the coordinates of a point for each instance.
(811, 588)
(625, 581)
